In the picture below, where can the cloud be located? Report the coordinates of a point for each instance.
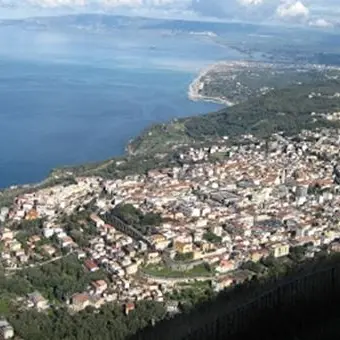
(322, 23)
(56, 3)
(250, 2)
(301, 11)
(292, 9)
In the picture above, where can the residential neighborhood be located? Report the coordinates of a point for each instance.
(225, 209)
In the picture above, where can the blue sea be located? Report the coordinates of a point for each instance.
(73, 97)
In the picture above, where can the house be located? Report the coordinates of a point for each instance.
(81, 254)
(48, 232)
(31, 215)
(129, 307)
(80, 301)
(335, 247)
(132, 269)
(225, 266)
(130, 251)
(157, 238)
(97, 220)
(162, 245)
(6, 234)
(66, 241)
(217, 230)
(257, 255)
(153, 257)
(172, 307)
(91, 265)
(14, 245)
(222, 283)
(142, 246)
(48, 250)
(206, 246)
(97, 301)
(38, 301)
(183, 247)
(6, 330)
(34, 239)
(4, 214)
(99, 286)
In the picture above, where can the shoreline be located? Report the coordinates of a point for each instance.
(198, 83)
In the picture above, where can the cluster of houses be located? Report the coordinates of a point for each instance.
(6, 330)
(226, 205)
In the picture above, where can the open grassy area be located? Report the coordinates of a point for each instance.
(161, 271)
(161, 137)
(4, 307)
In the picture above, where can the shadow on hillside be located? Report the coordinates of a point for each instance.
(302, 305)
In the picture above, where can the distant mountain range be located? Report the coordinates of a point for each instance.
(113, 21)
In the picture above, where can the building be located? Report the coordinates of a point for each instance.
(225, 266)
(48, 249)
(97, 220)
(80, 301)
(6, 234)
(159, 241)
(172, 307)
(183, 247)
(6, 330)
(31, 215)
(257, 255)
(222, 283)
(38, 301)
(280, 249)
(129, 307)
(132, 269)
(153, 257)
(99, 286)
(217, 230)
(335, 247)
(91, 265)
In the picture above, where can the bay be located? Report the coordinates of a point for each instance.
(70, 98)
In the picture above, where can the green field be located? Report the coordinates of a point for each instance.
(161, 271)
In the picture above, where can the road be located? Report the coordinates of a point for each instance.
(9, 271)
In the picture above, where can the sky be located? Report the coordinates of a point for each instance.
(321, 13)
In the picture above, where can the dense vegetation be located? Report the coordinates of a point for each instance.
(56, 281)
(144, 223)
(108, 323)
(211, 237)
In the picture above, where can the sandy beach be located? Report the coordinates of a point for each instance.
(199, 82)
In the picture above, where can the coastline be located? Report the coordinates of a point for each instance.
(198, 83)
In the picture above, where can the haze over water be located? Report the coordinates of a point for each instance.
(69, 98)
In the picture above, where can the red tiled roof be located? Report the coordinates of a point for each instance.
(90, 264)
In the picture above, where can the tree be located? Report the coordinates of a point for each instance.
(211, 237)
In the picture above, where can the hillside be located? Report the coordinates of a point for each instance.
(287, 110)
